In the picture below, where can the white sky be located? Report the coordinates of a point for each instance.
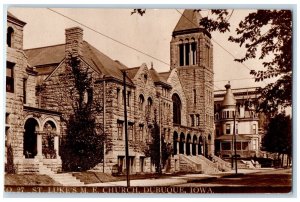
(150, 34)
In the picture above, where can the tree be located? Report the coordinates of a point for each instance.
(267, 35)
(10, 166)
(278, 137)
(153, 149)
(83, 146)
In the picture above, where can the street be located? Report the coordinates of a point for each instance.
(264, 181)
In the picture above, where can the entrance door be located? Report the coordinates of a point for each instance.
(30, 138)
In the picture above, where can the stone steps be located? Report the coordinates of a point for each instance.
(209, 166)
(65, 179)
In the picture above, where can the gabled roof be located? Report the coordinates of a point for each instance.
(131, 72)
(164, 75)
(101, 62)
(50, 55)
(157, 79)
(189, 20)
(45, 55)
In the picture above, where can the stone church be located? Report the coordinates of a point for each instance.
(181, 100)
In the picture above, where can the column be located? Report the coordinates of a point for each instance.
(184, 56)
(196, 149)
(39, 144)
(191, 149)
(56, 145)
(191, 54)
(184, 149)
(177, 147)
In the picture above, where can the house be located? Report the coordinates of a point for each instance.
(237, 106)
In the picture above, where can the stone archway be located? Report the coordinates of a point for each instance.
(187, 144)
(175, 143)
(30, 138)
(200, 146)
(194, 146)
(181, 143)
(49, 148)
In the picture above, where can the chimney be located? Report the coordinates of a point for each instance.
(74, 41)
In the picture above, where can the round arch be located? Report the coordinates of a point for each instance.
(52, 122)
(187, 144)
(181, 143)
(200, 145)
(195, 140)
(176, 108)
(9, 36)
(141, 102)
(31, 127)
(175, 140)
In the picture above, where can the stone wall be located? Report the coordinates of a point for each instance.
(14, 100)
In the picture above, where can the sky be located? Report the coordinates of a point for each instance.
(150, 34)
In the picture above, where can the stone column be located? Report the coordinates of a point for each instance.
(177, 147)
(184, 149)
(39, 145)
(191, 149)
(190, 54)
(196, 149)
(184, 56)
(56, 145)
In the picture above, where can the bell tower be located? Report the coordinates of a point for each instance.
(192, 57)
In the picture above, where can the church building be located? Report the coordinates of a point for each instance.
(181, 100)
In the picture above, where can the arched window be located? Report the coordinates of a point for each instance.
(149, 109)
(149, 102)
(9, 37)
(176, 109)
(141, 102)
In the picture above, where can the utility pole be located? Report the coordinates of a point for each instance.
(160, 139)
(104, 100)
(234, 137)
(126, 133)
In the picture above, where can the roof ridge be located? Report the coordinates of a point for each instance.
(132, 68)
(44, 47)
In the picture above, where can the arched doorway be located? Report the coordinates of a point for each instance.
(200, 146)
(48, 149)
(187, 144)
(176, 109)
(194, 152)
(30, 138)
(181, 143)
(175, 141)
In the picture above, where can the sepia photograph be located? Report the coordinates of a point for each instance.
(194, 100)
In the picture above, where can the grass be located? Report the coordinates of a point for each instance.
(29, 179)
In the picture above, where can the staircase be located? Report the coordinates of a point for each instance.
(222, 165)
(65, 179)
(208, 166)
(189, 165)
(197, 164)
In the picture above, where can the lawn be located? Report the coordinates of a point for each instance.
(29, 179)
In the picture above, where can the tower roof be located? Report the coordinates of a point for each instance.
(189, 20)
(229, 99)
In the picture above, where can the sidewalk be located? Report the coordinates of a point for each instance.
(174, 180)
